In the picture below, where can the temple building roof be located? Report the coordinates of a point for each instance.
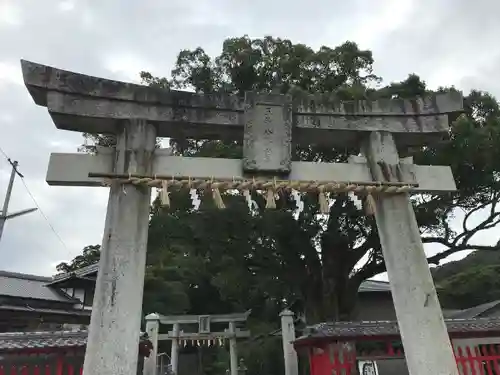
(87, 273)
(31, 287)
(374, 286)
(478, 311)
(42, 340)
(32, 341)
(352, 331)
(28, 300)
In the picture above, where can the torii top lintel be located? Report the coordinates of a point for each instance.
(90, 104)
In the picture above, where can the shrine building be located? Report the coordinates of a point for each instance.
(375, 348)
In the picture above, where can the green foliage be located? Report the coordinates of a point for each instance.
(472, 287)
(93, 140)
(271, 64)
(475, 259)
(90, 255)
(468, 282)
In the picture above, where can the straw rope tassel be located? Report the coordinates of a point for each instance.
(164, 194)
(370, 205)
(219, 203)
(270, 201)
(248, 198)
(324, 207)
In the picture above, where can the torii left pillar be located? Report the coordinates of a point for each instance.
(116, 312)
(113, 341)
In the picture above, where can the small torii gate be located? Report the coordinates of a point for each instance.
(204, 334)
(137, 114)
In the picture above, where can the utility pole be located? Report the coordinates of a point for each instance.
(4, 215)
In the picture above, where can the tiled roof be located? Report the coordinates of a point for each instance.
(45, 340)
(475, 311)
(81, 272)
(390, 328)
(29, 286)
(40, 340)
(41, 310)
(451, 313)
(374, 286)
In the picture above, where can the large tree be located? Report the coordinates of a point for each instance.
(314, 262)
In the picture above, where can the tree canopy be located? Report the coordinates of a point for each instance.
(90, 255)
(215, 261)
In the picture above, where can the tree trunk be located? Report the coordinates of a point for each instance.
(331, 295)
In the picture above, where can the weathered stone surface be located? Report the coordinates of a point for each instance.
(39, 79)
(152, 329)
(267, 138)
(89, 104)
(219, 318)
(113, 340)
(393, 124)
(423, 331)
(59, 174)
(436, 179)
(42, 78)
(288, 338)
(102, 115)
(327, 104)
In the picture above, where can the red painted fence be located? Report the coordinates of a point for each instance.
(332, 360)
(479, 360)
(46, 362)
(63, 363)
(338, 359)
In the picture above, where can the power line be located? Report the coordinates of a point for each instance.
(4, 154)
(14, 165)
(43, 214)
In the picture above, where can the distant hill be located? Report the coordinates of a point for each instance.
(477, 258)
(469, 282)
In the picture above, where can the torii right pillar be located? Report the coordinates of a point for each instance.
(423, 331)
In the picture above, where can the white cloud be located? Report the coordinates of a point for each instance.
(66, 5)
(125, 66)
(10, 73)
(387, 17)
(10, 14)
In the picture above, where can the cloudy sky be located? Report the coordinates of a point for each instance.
(445, 41)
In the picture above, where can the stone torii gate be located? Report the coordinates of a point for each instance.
(205, 335)
(265, 122)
